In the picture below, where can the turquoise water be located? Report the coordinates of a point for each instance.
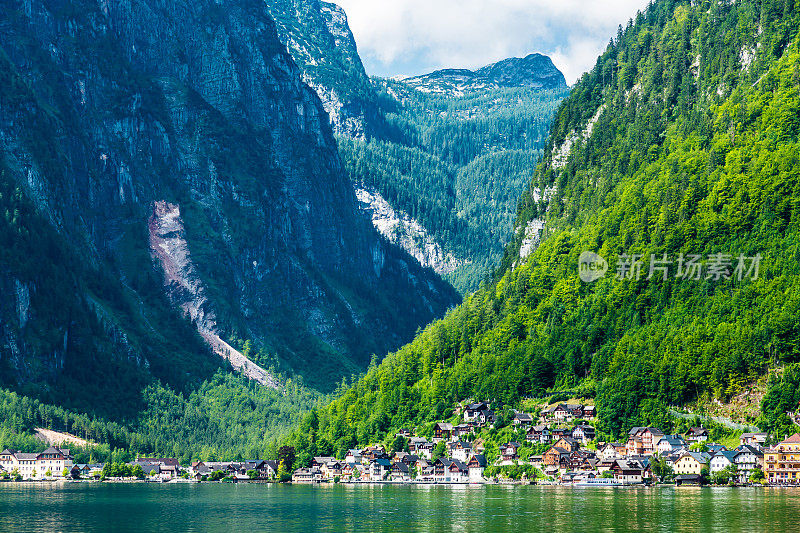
(244, 507)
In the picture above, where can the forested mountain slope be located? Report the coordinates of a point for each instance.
(683, 139)
(456, 161)
(171, 196)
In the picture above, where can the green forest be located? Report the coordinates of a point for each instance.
(456, 164)
(695, 151)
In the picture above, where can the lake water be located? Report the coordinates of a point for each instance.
(286, 508)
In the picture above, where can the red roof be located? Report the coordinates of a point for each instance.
(794, 439)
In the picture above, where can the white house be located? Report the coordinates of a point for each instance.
(722, 460)
(748, 459)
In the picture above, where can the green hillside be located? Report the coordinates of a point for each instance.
(694, 151)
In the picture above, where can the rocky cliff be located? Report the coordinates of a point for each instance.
(319, 39)
(173, 155)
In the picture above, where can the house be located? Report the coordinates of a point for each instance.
(379, 469)
(747, 460)
(589, 411)
(582, 461)
(460, 450)
(476, 466)
(442, 431)
(485, 418)
(404, 432)
(562, 431)
(782, 462)
(567, 443)
(556, 457)
(458, 472)
(473, 410)
(753, 439)
(628, 471)
(548, 412)
(463, 429)
(721, 460)
(37, 465)
(634, 446)
(691, 463)
(643, 440)
(425, 450)
(669, 443)
(688, 479)
(650, 437)
(568, 412)
(317, 462)
(508, 451)
(538, 434)
(305, 475)
(354, 456)
(400, 472)
(522, 420)
(698, 434)
(583, 433)
(611, 450)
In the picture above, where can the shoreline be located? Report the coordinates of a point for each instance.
(50, 482)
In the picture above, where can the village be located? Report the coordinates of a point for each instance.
(454, 453)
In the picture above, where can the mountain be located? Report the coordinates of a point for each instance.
(452, 167)
(678, 148)
(428, 163)
(535, 71)
(319, 39)
(172, 190)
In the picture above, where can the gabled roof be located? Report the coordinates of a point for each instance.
(697, 431)
(523, 417)
(444, 426)
(727, 454)
(479, 458)
(455, 463)
(402, 467)
(26, 456)
(746, 448)
(700, 457)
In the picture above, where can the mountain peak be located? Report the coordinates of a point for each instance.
(534, 71)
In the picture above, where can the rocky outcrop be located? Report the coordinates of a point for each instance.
(400, 229)
(113, 112)
(534, 71)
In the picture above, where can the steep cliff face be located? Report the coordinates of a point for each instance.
(319, 39)
(117, 116)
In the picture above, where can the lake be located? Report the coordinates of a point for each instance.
(303, 508)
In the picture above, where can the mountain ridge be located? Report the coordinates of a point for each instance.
(533, 71)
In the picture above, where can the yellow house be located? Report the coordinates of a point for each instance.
(782, 462)
(691, 463)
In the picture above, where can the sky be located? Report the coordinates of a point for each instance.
(409, 37)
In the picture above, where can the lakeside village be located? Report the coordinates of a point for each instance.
(456, 454)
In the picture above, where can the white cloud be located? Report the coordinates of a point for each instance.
(416, 36)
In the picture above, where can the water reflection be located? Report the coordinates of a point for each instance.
(228, 508)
